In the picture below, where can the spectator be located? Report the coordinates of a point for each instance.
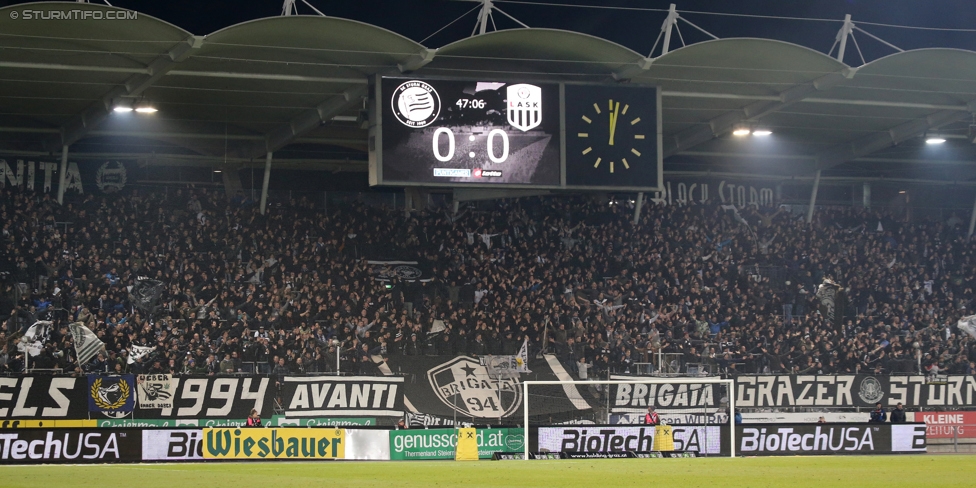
(878, 415)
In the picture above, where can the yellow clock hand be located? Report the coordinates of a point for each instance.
(613, 121)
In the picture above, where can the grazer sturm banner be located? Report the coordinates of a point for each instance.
(172, 445)
(52, 446)
(43, 397)
(595, 438)
(853, 391)
(786, 439)
(440, 443)
(324, 396)
(155, 390)
(111, 394)
(461, 388)
(275, 443)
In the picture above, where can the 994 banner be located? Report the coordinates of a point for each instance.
(469, 132)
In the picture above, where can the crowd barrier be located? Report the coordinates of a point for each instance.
(45, 445)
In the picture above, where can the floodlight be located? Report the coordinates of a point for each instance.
(762, 132)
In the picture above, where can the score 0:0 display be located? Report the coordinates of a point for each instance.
(435, 144)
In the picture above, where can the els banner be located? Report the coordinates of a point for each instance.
(285, 443)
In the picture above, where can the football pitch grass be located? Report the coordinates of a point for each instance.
(792, 472)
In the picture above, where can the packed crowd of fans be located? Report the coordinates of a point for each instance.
(701, 285)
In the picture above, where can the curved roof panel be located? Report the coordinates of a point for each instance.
(931, 76)
(534, 52)
(308, 45)
(746, 66)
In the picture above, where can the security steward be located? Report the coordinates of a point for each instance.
(651, 418)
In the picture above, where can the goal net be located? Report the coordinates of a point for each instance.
(699, 413)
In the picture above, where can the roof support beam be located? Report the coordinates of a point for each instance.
(95, 114)
(847, 151)
(310, 119)
(417, 61)
(723, 123)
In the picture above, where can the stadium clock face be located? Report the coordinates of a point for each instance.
(614, 140)
(611, 136)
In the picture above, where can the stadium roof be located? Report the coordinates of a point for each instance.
(295, 85)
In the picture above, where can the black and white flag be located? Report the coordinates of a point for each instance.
(32, 342)
(145, 294)
(827, 295)
(968, 325)
(137, 352)
(87, 344)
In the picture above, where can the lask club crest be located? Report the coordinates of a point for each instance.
(524, 106)
(464, 385)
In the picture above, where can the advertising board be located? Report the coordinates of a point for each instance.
(275, 443)
(440, 443)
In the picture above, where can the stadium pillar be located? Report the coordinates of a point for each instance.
(813, 197)
(267, 179)
(637, 208)
(972, 220)
(63, 175)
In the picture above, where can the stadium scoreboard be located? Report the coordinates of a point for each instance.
(505, 134)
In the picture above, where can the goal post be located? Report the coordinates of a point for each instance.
(659, 392)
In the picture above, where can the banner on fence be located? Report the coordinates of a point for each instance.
(111, 395)
(461, 388)
(155, 391)
(323, 396)
(853, 391)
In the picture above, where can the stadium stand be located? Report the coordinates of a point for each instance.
(721, 290)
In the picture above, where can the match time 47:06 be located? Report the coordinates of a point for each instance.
(466, 103)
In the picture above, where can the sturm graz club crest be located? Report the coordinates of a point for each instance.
(464, 385)
(416, 104)
(870, 390)
(111, 395)
(524, 106)
(111, 177)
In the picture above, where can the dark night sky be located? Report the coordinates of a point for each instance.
(637, 30)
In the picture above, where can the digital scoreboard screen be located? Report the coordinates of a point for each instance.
(485, 132)
(494, 133)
